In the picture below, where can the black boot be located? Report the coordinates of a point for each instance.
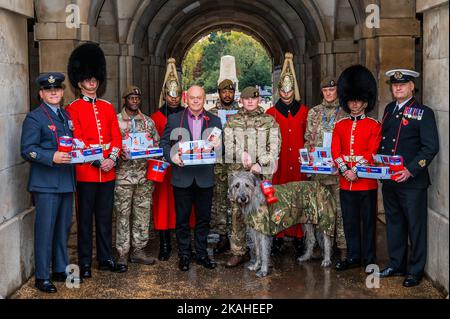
(165, 246)
(299, 245)
(277, 246)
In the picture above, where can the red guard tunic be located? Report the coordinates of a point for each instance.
(164, 217)
(292, 121)
(95, 123)
(355, 141)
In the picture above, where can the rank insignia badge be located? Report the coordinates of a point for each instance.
(33, 155)
(422, 163)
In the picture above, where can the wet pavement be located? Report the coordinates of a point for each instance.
(288, 279)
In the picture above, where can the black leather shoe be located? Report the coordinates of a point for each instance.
(411, 281)
(390, 272)
(111, 265)
(206, 262)
(184, 263)
(45, 286)
(348, 264)
(85, 271)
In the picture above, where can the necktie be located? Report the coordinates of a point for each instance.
(61, 117)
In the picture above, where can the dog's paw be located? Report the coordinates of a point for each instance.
(261, 273)
(326, 263)
(303, 258)
(253, 267)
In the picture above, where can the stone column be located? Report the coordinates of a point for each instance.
(16, 213)
(435, 95)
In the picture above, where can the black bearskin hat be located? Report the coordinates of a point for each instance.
(86, 61)
(357, 83)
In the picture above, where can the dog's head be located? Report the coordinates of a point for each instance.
(244, 189)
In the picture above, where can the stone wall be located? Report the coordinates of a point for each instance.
(16, 215)
(435, 95)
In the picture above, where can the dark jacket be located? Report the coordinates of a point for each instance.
(418, 141)
(39, 144)
(184, 177)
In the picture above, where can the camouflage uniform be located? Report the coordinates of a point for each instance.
(315, 130)
(133, 193)
(221, 204)
(236, 144)
(298, 203)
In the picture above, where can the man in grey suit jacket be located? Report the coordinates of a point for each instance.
(192, 184)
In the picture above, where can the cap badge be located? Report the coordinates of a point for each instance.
(51, 79)
(398, 75)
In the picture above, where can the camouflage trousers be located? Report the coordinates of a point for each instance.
(340, 235)
(221, 203)
(132, 205)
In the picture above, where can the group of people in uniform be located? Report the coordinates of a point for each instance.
(193, 198)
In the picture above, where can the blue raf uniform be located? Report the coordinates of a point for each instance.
(52, 185)
(408, 129)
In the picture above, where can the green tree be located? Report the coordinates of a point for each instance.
(202, 63)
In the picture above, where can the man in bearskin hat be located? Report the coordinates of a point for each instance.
(355, 140)
(164, 216)
(291, 115)
(94, 123)
(409, 130)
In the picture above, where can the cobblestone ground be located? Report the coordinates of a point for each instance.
(288, 279)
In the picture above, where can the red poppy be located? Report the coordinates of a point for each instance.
(405, 122)
(52, 128)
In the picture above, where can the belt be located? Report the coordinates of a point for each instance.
(353, 159)
(105, 147)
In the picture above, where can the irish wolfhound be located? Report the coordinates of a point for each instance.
(244, 189)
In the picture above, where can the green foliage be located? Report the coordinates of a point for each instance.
(202, 63)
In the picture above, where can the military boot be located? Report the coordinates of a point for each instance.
(140, 256)
(165, 247)
(277, 246)
(223, 245)
(122, 262)
(299, 245)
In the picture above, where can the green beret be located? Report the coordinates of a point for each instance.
(226, 85)
(249, 92)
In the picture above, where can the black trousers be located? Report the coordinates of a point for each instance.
(406, 216)
(202, 199)
(359, 207)
(94, 200)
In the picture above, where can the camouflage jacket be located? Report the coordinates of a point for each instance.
(320, 120)
(256, 133)
(298, 202)
(133, 172)
(220, 106)
(221, 169)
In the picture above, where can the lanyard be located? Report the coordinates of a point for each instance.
(127, 131)
(327, 126)
(53, 128)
